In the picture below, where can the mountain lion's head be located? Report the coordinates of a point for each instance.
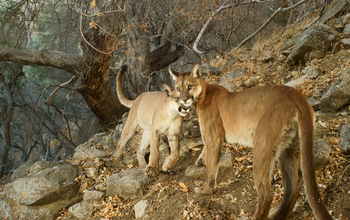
(187, 85)
(175, 102)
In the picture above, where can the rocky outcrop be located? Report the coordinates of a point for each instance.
(48, 188)
(338, 95)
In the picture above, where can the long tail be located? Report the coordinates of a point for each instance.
(126, 102)
(306, 127)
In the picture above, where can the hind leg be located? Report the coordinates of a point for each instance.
(289, 165)
(152, 168)
(263, 163)
(145, 141)
(125, 136)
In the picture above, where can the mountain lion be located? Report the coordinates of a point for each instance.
(276, 121)
(156, 113)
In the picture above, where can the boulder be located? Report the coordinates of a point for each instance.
(128, 184)
(334, 11)
(93, 195)
(314, 38)
(338, 95)
(345, 138)
(46, 186)
(10, 209)
(22, 170)
(100, 145)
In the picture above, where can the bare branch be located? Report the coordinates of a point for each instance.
(217, 11)
(60, 60)
(269, 20)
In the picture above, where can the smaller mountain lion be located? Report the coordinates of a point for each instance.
(156, 113)
(276, 121)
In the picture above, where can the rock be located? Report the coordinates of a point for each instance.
(229, 63)
(316, 54)
(210, 70)
(346, 19)
(10, 209)
(100, 145)
(334, 11)
(249, 83)
(227, 80)
(346, 29)
(128, 184)
(93, 195)
(81, 210)
(22, 170)
(267, 59)
(315, 103)
(44, 187)
(188, 144)
(345, 138)
(338, 95)
(287, 45)
(321, 152)
(311, 72)
(225, 162)
(196, 172)
(140, 208)
(41, 165)
(296, 82)
(314, 38)
(345, 43)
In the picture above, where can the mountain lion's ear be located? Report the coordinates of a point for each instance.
(173, 74)
(167, 89)
(196, 71)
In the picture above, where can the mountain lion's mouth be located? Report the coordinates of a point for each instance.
(183, 111)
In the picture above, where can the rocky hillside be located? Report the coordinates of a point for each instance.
(313, 57)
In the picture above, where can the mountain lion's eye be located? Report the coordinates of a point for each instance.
(189, 87)
(178, 89)
(177, 98)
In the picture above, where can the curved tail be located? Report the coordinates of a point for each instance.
(306, 129)
(126, 102)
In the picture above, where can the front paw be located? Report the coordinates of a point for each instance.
(152, 171)
(204, 190)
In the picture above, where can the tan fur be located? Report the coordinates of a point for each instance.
(276, 121)
(156, 113)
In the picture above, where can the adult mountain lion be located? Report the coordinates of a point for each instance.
(156, 113)
(276, 121)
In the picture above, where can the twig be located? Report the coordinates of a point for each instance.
(269, 20)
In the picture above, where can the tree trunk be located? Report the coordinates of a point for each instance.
(5, 148)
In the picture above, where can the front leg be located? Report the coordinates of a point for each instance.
(152, 168)
(172, 159)
(212, 155)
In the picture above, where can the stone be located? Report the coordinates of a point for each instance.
(100, 145)
(346, 29)
(314, 38)
(10, 209)
(296, 82)
(44, 187)
(334, 11)
(93, 195)
(311, 72)
(345, 43)
(81, 210)
(227, 80)
(230, 63)
(338, 95)
(128, 184)
(210, 70)
(196, 172)
(249, 83)
(140, 208)
(345, 139)
(22, 170)
(321, 153)
(346, 19)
